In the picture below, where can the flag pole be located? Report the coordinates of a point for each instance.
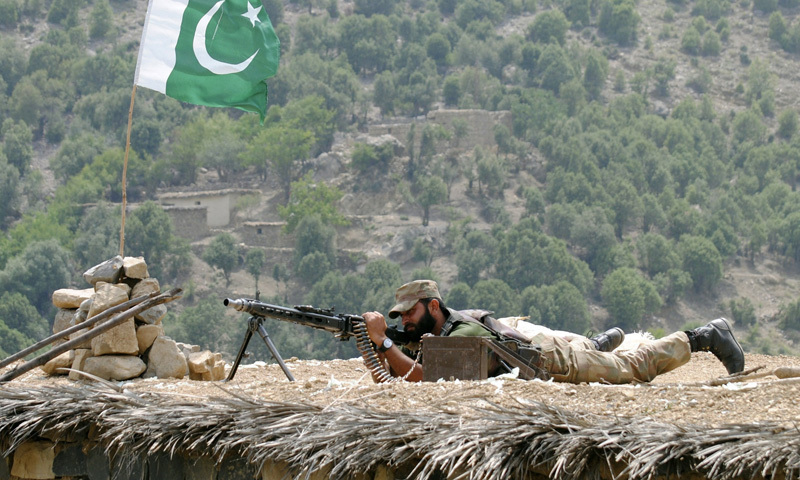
(125, 176)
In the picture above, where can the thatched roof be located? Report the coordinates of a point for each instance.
(485, 442)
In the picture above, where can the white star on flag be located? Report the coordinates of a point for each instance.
(252, 14)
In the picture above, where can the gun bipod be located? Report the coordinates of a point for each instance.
(255, 324)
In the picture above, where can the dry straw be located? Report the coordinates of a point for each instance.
(480, 443)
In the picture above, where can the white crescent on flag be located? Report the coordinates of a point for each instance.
(201, 52)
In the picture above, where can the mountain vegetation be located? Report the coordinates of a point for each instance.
(654, 146)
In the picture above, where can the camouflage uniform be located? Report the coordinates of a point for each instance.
(577, 361)
(566, 362)
(572, 361)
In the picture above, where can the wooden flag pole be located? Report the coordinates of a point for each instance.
(125, 176)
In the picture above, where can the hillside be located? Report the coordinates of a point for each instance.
(706, 134)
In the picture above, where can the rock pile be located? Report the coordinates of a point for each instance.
(136, 347)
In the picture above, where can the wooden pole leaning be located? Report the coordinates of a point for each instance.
(166, 297)
(80, 326)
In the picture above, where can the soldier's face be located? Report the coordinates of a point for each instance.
(418, 321)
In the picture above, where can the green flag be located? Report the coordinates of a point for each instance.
(216, 53)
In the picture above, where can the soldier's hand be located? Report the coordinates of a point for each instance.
(376, 326)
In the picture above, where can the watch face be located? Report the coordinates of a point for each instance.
(387, 344)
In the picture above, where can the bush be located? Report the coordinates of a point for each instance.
(742, 311)
(690, 42)
(9, 13)
(711, 44)
(619, 20)
(549, 26)
(313, 267)
(628, 297)
(787, 124)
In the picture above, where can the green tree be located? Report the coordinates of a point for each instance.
(594, 77)
(619, 20)
(491, 174)
(17, 313)
(578, 12)
(475, 254)
(560, 306)
(9, 13)
(254, 262)
(701, 259)
(777, 27)
(101, 19)
(459, 296)
(496, 296)
(97, 237)
(384, 93)
(313, 267)
(9, 190)
(23, 273)
(192, 325)
(691, 41)
(430, 190)
(625, 203)
(221, 151)
(593, 236)
(313, 235)
(526, 256)
(148, 234)
(312, 198)
(280, 147)
(787, 124)
(11, 341)
(312, 113)
(469, 11)
(761, 87)
(765, 6)
(375, 7)
(17, 144)
(554, 68)
(368, 42)
(438, 47)
(656, 254)
(628, 297)
(75, 153)
(223, 253)
(549, 26)
(369, 158)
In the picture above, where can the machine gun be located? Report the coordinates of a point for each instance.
(342, 326)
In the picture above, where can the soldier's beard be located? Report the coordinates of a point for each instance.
(425, 325)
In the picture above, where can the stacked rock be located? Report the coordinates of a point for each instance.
(137, 347)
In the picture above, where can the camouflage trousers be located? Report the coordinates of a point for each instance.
(577, 361)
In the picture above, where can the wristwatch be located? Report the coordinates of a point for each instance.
(386, 345)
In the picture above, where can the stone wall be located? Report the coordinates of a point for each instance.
(82, 459)
(480, 127)
(189, 222)
(265, 234)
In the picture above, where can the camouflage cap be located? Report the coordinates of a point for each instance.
(409, 294)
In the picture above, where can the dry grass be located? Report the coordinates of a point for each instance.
(487, 442)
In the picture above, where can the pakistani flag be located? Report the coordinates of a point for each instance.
(209, 52)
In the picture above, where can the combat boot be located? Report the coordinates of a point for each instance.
(608, 340)
(717, 338)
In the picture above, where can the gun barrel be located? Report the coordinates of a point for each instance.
(237, 304)
(338, 324)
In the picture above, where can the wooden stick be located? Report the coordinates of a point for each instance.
(125, 175)
(102, 328)
(67, 331)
